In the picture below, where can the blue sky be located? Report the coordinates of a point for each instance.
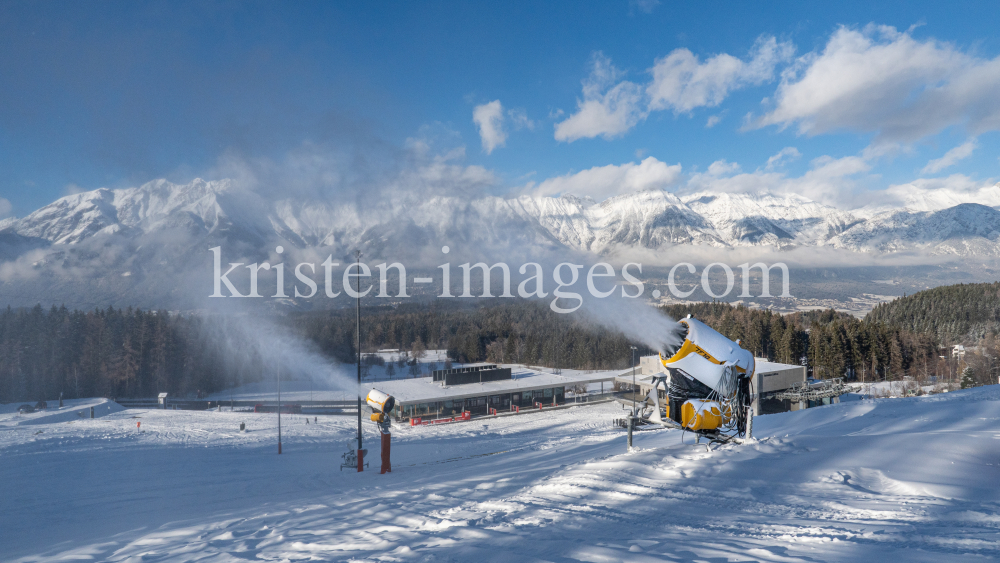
(847, 97)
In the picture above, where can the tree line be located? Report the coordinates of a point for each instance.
(116, 353)
(523, 332)
(830, 343)
(962, 313)
(137, 353)
(966, 315)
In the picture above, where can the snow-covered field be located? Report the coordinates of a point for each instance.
(896, 479)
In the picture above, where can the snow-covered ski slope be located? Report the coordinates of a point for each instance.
(76, 409)
(895, 479)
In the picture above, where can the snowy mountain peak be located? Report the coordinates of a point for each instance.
(934, 221)
(72, 218)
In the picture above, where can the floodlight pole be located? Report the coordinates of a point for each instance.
(633, 379)
(279, 410)
(357, 310)
(631, 416)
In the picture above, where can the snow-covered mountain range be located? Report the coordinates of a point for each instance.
(148, 246)
(931, 222)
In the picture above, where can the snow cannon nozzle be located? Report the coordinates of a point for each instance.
(380, 402)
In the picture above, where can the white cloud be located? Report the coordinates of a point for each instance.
(431, 164)
(834, 181)
(876, 151)
(829, 180)
(722, 168)
(785, 155)
(644, 6)
(5, 208)
(71, 189)
(520, 119)
(713, 120)
(489, 119)
(682, 83)
(827, 166)
(884, 81)
(840, 182)
(607, 109)
(929, 194)
(960, 152)
(602, 182)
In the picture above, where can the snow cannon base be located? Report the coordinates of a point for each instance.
(701, 414)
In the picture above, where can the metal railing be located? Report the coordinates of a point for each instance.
(805, 391)
(308, 407)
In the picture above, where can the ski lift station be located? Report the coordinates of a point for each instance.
(776, 387)
(478, 389)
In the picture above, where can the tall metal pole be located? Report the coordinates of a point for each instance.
(633, 379)
(279, 411)
(357, 291)
(632, 415)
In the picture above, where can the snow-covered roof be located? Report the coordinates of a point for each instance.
(763, 366)
(424, 389)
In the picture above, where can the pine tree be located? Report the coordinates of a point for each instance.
(968, 378)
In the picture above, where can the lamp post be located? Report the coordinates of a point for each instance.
(357, 292)
(279, 410)
(631, 416)
(633, 378)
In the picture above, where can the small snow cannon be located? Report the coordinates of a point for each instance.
(382, 405)
(706, 387)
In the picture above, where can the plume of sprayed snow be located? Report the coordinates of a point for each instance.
(634, 318)
(259, 342)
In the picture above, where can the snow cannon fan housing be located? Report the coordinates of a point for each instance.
(381, 403)
(706, 356)
(708, 382)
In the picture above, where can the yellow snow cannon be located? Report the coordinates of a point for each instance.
(707, 355)
(380, 402)
(381, 405)
(707, 384)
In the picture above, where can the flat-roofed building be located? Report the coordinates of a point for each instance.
(770, 379)
(473, 373)
(432, 397)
